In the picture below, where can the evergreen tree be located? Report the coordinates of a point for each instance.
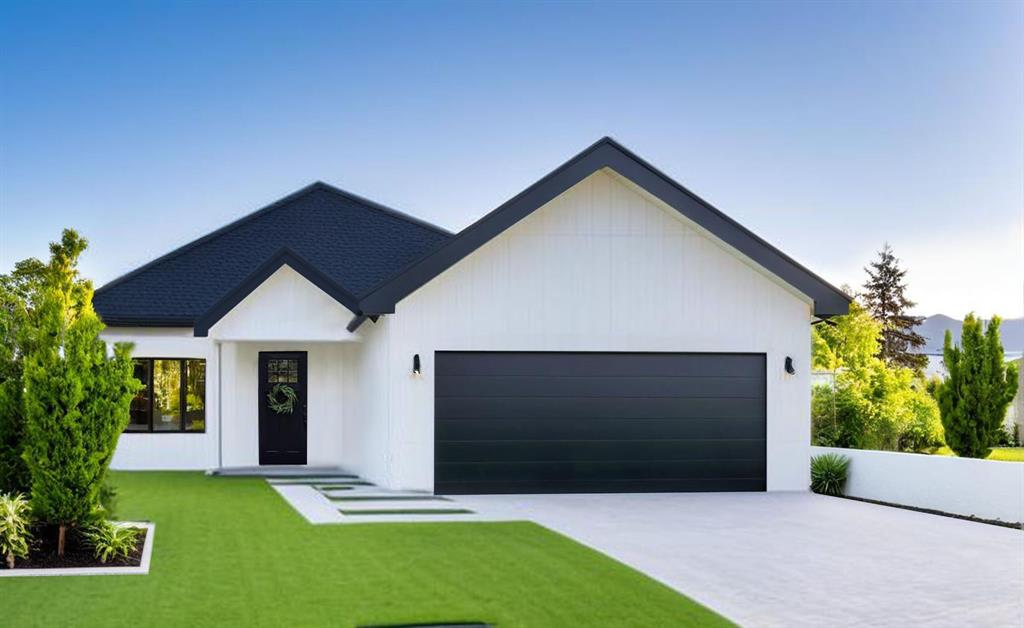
(76, 399)
(886, 300)
(980, 386)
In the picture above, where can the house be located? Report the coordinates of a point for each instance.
(603, 330)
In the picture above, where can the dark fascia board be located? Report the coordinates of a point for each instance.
(282, 257)
(358, 320)
(316, 185)
(128, 321)
(607, 153)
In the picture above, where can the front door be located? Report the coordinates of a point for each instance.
(282, 406)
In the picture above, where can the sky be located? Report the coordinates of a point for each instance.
(825, 128)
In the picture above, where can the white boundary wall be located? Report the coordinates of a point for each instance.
(989, 489)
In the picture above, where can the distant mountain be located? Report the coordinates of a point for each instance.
(934, 330)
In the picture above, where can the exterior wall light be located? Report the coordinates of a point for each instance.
(416, 370)
(789, 366)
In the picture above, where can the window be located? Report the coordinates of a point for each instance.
(282, 371)
(172, 397)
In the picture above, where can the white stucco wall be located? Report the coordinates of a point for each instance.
(989, 489)
(603, 267)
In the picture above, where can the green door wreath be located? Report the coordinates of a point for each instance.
(281, 399)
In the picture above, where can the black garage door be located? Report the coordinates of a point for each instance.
(598, 422)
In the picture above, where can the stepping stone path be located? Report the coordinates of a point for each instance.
(357, 501)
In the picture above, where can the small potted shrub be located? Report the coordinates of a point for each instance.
(828, 474)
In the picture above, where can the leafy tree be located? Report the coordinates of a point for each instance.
(16, 290)
(872, 405)
(980, 386)
(848, 341)
(76, 399)
(886, 299)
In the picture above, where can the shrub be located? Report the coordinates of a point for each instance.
(108, 499)
(16, 290)
(873, 405)
(110, 541)
(14, 534)
(828, 474)
(1005, 437)
(877, 407)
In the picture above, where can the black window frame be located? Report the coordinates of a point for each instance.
(182, 401)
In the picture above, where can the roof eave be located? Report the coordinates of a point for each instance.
(606, 153)
(283, 257)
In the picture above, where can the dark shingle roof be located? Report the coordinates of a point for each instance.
(354, 241)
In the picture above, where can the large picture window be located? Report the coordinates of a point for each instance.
(172, 397)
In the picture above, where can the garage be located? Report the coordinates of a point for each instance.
(558, 422)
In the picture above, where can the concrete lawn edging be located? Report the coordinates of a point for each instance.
(141, 569)
(985, 489)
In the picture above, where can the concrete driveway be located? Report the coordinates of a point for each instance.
(797, 559)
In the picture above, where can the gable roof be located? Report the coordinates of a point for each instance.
(283, 257)
(345, 242)
(606, 153)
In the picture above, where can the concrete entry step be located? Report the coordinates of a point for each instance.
(347, 484)
(318, 480)
(284, 472)
(391, 506)
(355, 496)
(407, 518)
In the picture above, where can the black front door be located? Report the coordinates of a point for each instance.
(282, 406)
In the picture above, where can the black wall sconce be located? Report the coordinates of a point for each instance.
(789, 366)
(416, 370)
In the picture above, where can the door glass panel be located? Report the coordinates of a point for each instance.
(140, 402)
(195, 395)
(166, 395)
(282, 371)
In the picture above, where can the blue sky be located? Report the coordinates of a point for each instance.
(826, 128)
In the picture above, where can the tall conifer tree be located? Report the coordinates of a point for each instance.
(885, 297)
(980, 386)
(76, 398)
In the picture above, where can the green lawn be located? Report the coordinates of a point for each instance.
(1012, 454)
(230, 552)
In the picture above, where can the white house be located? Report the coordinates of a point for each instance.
(603, 330)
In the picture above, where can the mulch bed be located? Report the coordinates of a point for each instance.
(42, 552)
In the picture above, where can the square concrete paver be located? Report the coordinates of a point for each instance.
(796, 559)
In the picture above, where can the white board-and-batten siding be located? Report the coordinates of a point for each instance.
(602, 267)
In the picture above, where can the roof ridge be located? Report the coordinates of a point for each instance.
(372, 204)
(216, 233)
(266, 209)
